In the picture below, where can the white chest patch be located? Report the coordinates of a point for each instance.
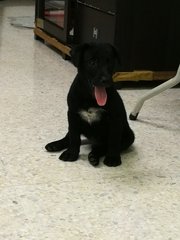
(91, 115)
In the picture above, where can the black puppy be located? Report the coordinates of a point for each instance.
(95, 109)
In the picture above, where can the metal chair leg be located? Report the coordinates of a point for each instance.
(153, 92)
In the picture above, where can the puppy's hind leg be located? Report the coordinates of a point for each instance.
(58, 145)
(127, 139)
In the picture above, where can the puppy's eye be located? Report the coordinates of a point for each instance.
(92, 63)
(109, 61)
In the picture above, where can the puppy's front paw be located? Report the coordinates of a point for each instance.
(112, 161)
(54, 146)
(93, 159)
(69, 156)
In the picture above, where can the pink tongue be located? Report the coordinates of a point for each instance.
(100, 95)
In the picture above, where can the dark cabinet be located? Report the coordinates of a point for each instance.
(146, 33)
(56, 18)
(156, 35)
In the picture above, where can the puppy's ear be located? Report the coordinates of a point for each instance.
(117, 58)
(76, 53)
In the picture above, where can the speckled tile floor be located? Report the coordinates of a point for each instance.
(44, 198)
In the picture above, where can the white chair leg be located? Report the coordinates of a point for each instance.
(153, 92)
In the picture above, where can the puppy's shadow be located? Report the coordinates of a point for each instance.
(130, 156)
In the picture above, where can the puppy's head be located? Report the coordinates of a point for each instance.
(96, 64)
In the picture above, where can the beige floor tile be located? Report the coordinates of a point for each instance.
(104, 209)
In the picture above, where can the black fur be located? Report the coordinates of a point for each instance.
(111, 134)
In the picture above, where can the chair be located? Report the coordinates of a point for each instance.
(153, 92)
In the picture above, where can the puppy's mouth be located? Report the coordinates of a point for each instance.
(100, 95)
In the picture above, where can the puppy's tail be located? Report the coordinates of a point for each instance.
(58, 145)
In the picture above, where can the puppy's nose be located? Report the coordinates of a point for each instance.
(104, 79)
